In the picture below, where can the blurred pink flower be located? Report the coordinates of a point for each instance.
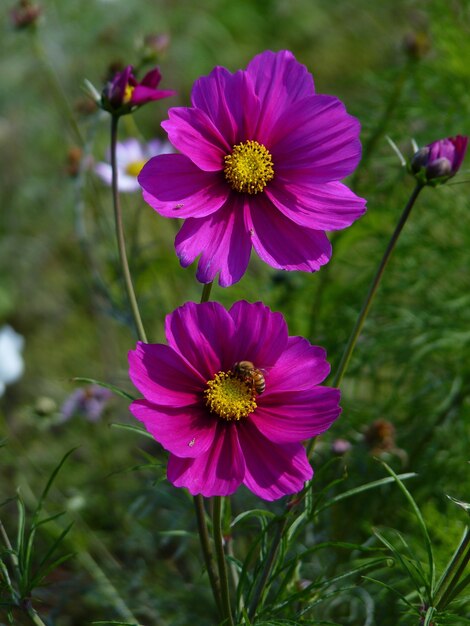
(440, 160)
(261, 159)
(88, 402)
(220, 430)
(123, 93)
(131, 156)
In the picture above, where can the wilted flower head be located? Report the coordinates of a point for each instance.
(88, 402)
(380, 436)
(261, 159)
(435, 163)
(11, 361)
(131, 156)
(123, 93)
(25, 14)
(232, 397)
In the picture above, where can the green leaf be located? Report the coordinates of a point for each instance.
(113, 388)
(135, 429)
(422, 525)
(50, 482)
(258, 513)
(362, 488)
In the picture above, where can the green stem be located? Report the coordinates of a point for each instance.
(206, 292)
(57, 88)
(120, 235)
(383, 122)
(221, 562)
(202, 521)
(268, 565)
(33, 616)
(453, 573)
(207, 551)
(373, 288)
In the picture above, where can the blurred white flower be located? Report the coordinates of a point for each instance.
(11, 361)
(131, 156)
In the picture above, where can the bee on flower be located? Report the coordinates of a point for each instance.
(232, 397)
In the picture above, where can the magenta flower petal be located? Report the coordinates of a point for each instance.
(219, 472)
(192, 132)
(300, 366)
(200, 333)
(223, 242)
(186, 432)
(279, 150)
(220, 425)
(316, 138)
(164, 375)
(279, 81)
(152, 78)
(229, 101)
(288, 417)
(272, 471)
(142, 95)
(331, 206)
(260, 337)
(282, 244)
(175, 187)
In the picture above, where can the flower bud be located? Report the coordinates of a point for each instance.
(24, 14)
(435, 163)
(123, 93)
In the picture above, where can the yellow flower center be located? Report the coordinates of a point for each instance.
(128, 91)
(229, 396)
(249, 167)
(133, 168)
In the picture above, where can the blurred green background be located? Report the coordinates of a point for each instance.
(403, 68)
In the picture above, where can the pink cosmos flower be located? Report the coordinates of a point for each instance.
(226, 422)
(440, 160)
(123, 93)
(261, 159)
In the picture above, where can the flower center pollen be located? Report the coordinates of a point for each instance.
(133, 168)
(229, 396)
(249, 167)
(128, 91)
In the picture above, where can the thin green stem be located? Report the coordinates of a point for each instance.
(268, 565)
(383, 122)
(26, 604)
(221, 562)
(373, 288)
(120, 235)
(206, 292)
(453, 573)
(57, 88)
(202, 521)
(33, 616)
(207, 551)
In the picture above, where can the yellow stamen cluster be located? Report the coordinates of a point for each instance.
(128, 91)
(134, 168)
(229, 397)
(249, 167)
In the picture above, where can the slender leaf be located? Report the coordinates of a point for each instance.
(50, 482)
(422, 525)
(113, 388)
(258, 513)
(362, 488)
(134, 429)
